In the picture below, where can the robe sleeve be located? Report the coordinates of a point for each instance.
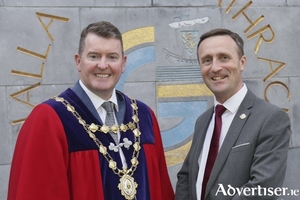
(160, 184)
(40, 160)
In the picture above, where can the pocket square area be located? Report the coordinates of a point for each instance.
(241, 145)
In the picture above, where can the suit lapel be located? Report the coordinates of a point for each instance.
(232, 135)
(122, 107)
(202, 125)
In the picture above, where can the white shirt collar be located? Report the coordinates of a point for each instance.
(98, 101)
(233, 103)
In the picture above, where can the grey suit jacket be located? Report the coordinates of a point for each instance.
(253, 154)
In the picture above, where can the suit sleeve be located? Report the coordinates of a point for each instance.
(40, 160)
(187, 175)
(270, 156)
(183, 182)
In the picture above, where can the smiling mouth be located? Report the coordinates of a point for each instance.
(102, 75)
(217, 78)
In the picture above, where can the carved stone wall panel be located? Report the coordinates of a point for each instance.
(4, 132)
(278, 31)
(32, 52)
(4, 174)
(293, 2)
(162, 69)
(70, 3)
(295, 111)
(257, 3)
(291, 181)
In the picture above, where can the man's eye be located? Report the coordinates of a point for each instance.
(224, 57)
(93, 56)
(113, 57)
(206, 61)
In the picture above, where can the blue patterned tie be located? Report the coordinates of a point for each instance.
(110, 119)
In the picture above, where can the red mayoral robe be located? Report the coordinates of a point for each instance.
(55, 159)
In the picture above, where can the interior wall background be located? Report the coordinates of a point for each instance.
(38, 40)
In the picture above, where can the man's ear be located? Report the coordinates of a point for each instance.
(243, 62)
(124, 63)
(77, 61)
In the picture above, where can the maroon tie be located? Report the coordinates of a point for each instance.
(214, 147)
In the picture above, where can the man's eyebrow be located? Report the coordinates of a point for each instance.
(205, 56)
(93, 52)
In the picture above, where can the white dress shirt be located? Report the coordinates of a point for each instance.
(232, 105)
(97, 102)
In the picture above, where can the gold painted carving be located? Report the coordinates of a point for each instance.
(138, 36)
(52, 17)
(177, 155)
(265, 29)
(229, 7)
(189, 41)
(280, 84)
(242, 10)
(26, 90)
(182, 90)
(30, 75)
(36, 55)
(261, 37)
(18, 121)
(220, 3)
(273, 72)
(252, 24)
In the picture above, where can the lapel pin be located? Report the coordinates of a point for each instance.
(243, 116)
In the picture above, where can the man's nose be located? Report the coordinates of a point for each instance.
(216, 66)
(102, 63)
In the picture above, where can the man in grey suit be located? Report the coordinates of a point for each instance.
(254, 137)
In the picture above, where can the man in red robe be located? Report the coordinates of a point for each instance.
(66, 150)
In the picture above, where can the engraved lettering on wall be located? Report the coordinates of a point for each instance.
(265, 34)
(42, 56)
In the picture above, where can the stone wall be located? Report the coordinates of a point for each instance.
(38, 40)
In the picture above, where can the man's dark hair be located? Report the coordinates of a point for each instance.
(220, 31)
(102, 29)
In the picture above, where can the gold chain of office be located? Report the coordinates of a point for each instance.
(127, 184)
